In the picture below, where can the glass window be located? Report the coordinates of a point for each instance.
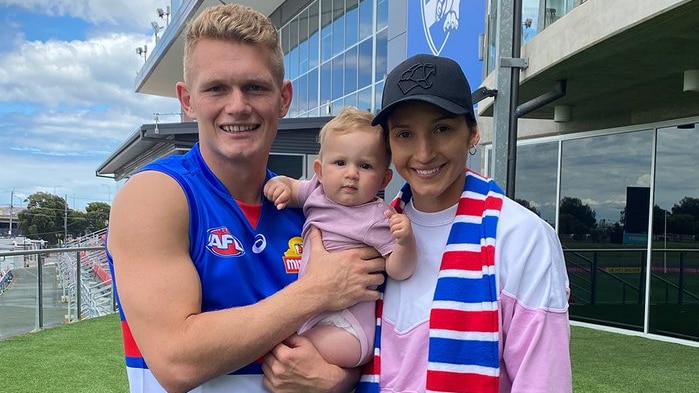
(381, 54)
(492, 35)
(366, 18)
(326, 83)
(338, 26)
(351, 100)
(337, 76)
(326, 44)
(364, 67)
(351, 23)
(294, 51)
(381, 14)
(530, 19)
(378, 93)
(313, 39)
(286, 164)
(313, 50)
(603, 217)
(351, 70)
(302, 86)
(303, 42)
(364, 99)
(313, 89)
(337, 106)
(675, 258)
(535, 180)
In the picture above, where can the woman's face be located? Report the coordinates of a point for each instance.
(429, 147)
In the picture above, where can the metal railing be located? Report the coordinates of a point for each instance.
(61, 285)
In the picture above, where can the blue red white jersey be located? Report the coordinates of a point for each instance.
(237, 264)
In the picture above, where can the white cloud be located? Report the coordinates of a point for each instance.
(67, 105)
(124, 14)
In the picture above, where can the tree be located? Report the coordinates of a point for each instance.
(44, 217)
(77, 223)
(47, 217)
(97, 214)
(688, 209)
(529, 206)
(576, 217)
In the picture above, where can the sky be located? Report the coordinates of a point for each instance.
(67, 100)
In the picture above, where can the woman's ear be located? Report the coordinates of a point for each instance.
(474, 137)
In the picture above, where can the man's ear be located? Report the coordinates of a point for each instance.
(185, 99)
(388, 175)
(287, 92)
(318, 169)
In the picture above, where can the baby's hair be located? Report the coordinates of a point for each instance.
(351, 119)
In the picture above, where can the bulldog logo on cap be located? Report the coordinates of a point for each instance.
(416, 76)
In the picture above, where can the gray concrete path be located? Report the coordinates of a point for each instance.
(18, 304)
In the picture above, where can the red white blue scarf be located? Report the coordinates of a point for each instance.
(464, 324)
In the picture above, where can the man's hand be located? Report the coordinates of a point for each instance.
(344, 278)
(295, 366)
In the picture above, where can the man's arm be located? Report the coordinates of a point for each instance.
(160, 291)
(296, 366)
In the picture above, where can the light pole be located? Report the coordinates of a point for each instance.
(665, 247)
(12, 199)
(109, 193)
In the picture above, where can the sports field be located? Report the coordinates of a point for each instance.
(86, 357)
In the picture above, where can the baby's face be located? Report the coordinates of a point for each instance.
(353, 167)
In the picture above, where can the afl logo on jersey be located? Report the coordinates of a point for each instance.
(223, 244)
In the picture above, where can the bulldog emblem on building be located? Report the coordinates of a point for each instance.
(439, 19)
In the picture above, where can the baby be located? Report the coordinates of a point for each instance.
(341, 200)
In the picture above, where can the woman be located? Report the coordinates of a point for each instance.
(488, 312)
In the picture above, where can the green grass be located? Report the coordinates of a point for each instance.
(611, 363)
(88, 357)
(83, 357)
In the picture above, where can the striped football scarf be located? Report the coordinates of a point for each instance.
(464, 326)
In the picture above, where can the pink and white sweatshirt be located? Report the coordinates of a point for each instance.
(533, 303)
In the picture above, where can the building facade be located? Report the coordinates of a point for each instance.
(610, 162)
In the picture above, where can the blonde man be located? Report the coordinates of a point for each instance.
(198, 254)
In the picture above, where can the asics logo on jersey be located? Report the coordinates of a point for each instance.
(260, 243)
(223, 244)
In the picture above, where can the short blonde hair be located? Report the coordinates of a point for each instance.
(349, 120)
(237, 23)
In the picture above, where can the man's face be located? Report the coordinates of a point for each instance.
(237, 102)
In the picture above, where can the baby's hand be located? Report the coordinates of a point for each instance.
(401, 230)
(277, 192)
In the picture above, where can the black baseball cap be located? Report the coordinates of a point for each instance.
(433, 79)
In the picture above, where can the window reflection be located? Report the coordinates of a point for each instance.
(604, 182)
(675, 257)
(535, 181)
(596, 174)
(329, 55)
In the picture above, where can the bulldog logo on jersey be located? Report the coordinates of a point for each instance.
(223, 244)
(439, 19)
(292, 256)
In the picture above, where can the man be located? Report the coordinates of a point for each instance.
(204, 265)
